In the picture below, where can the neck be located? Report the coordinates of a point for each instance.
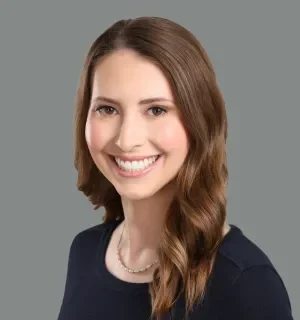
(144, 222)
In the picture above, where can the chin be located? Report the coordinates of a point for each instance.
(136, 194)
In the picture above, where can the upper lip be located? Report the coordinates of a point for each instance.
(133, 158)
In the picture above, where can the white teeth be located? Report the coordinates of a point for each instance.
(135, 165)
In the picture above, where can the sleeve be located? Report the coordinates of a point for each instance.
(258, 294)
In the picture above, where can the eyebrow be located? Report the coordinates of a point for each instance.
(141, 102)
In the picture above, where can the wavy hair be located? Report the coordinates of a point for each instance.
(195, 219)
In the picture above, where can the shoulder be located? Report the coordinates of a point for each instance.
(89, 238)
(96, 230)
(236, 254)
(246, 279)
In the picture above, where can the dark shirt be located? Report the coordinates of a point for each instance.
(244, 284)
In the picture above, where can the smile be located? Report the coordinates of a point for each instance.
(135, 165)
(134, 168)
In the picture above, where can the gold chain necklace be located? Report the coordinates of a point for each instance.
(123, 265)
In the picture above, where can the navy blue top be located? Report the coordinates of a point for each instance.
(244, 284)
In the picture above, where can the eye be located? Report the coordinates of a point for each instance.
(107, 110)
(158, 110)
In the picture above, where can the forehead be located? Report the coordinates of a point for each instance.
(128, 76)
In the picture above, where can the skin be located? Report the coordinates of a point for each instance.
(126, 128)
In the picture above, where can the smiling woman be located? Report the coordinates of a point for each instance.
(150, 147)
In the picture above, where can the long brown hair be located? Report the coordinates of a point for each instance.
(194, 223)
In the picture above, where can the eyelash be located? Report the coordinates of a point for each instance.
(97, 109)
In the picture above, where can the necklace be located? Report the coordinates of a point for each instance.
(123, 265)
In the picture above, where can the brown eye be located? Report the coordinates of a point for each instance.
(157, 111)
(105, 109)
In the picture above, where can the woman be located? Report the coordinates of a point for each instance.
(150, 133)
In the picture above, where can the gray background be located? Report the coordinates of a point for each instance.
(254, 46)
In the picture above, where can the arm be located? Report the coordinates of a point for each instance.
(258, 294)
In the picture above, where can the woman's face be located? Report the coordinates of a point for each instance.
(133, 133)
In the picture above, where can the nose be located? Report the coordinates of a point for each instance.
(132, 133)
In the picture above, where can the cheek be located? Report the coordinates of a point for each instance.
(172, 137)
(95, 137)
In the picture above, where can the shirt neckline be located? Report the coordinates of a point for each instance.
(111, 281)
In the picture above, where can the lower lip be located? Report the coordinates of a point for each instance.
(133, 174)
